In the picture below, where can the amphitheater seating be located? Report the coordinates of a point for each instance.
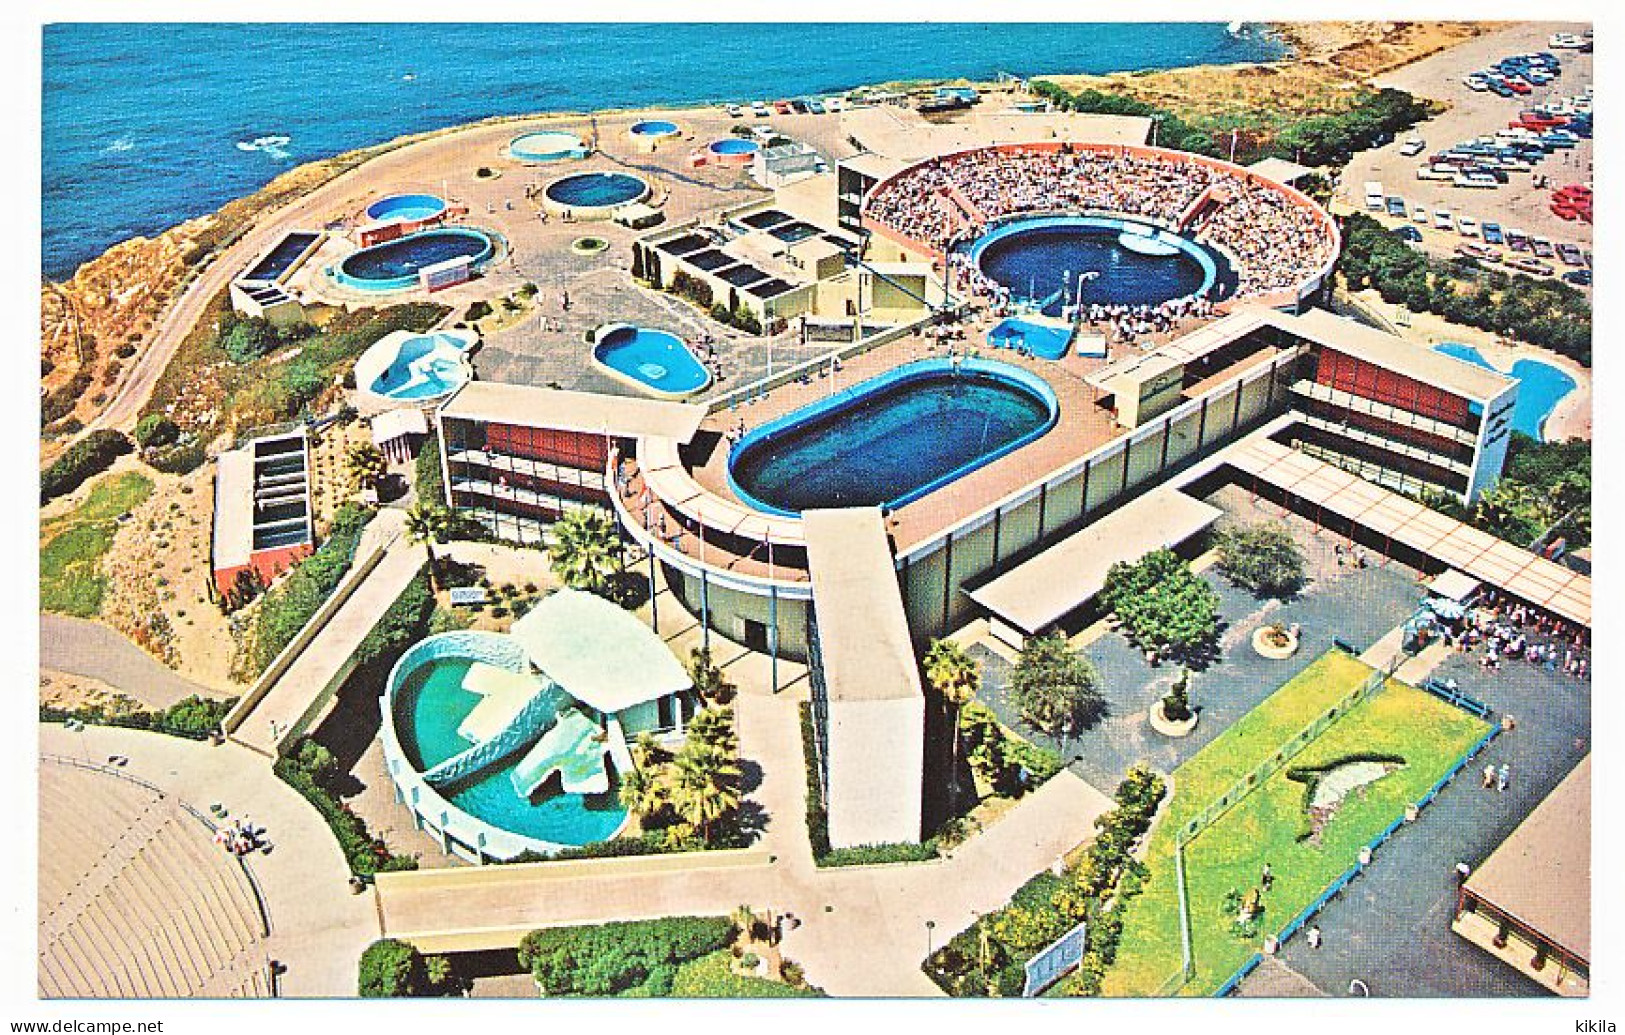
(135, 901)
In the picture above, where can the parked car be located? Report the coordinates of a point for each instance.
(1579, 278)
(1419, 214)
(1570, 254)
(1477, 83)
(1442, 219)
(1492, 233)
(815, 106)
(1525, 264)
(1408, 233)
(1396, 207)
(1467, 226)
(759, 110)
(1542, 247)
(799, 107)
(782, 107)
(1517, 240)
(1413, 146)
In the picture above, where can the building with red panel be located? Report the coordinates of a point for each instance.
(1399, 414)
(517, 457)
(262, 510)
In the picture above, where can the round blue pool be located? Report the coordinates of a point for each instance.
(429, 698)
(1040, 260)
(546, 146)
(406, 208)
(657, 362)
(1541, 386)
(654, 128)
(394, 265)
(592, 190)
(892, 439)
(734, 146)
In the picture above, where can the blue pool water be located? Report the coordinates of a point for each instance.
(597, 189)
(658, 360)
(394, 265)
(654, 128)
(892, 439)
(428, 708)
(1541, 386)
(1041, 340)
(425, 366)
(408, 208)
(735, 146)
(158, 109)
(279, 259)
(1032, 259)
(547, 147)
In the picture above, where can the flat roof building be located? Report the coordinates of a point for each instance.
(262, 510)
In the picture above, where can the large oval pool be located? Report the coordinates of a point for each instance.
(394, 265)
(597, 190)
(891, 439)
(1541, 386)
(1040, 261)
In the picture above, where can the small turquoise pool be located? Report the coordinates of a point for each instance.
(735, 146)
(597, 190)
(406, 208)
(1541, 386)
(423, 367)
(1042, 340)
(654, 128)
(546, 146)
(394, 265)
(429, 706)
(892, 439)
(657, 361)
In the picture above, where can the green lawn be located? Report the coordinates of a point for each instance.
(709, 978)
(73, 545)
(1229, 855)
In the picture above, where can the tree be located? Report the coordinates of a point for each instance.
(155, 430)
(585, 550)
(1056, 688)
(705, 786)
(1176, 703)
(425, 525)
(954, 676)
(365, 464)
(1162, 604)
(642, 792)
(709, 682)
(390, 968)
(713, 729)
(1263, 558)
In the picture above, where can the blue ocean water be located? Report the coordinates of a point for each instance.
(148, 125)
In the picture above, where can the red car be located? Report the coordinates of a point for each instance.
(1567, 213)
(782, 107)
(1518, 86)
(1574, 192)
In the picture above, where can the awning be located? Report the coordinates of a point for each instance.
(1453, 585)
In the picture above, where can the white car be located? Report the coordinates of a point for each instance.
(1477, 83)
(834, 103)
(1420, 214)
(734, 111)
(1442, 219)
(1467, 226)
(759, 110)
(1412, 147)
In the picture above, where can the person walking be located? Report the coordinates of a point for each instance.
(1267, 877)
(1314, 937)
(1489, 776)
(1502, 777)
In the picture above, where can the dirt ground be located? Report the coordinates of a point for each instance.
(66, 690)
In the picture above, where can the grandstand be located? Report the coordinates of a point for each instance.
(134, 899)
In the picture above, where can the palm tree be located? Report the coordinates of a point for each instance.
(426, 524)
(586, 549)
(365, 464)
(642, 792)
(954, 675)
(705, 787)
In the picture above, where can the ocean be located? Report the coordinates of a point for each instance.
(146, 126)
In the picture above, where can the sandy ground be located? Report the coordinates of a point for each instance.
(1572, 416)
(67, 690)
(1517, 203)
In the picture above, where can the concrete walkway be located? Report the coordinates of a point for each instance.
(862, 930)
(318, 928)
(83, 647)
(327, 659)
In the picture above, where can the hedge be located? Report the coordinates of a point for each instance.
(710, 977)
(193, 718)
(287, 607)
(366, 854)
(90, 456)
(641, 957)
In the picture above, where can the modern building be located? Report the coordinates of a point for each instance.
(516, 457)
(868, 708)
(262, 509)
(775, 167)
(1529, 903)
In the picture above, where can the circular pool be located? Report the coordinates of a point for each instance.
(653, 128)
(595, 195)
(464, 715)
(394, 265)
(892, 439)
(546, 146)
(1121, 263)
(734, 146)
(406, 208)
(657, 362)
(405, 367)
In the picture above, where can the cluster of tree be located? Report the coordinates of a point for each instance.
(989, 957)
(1055, 687)
(391, 968)
(193, 717)
(1162, 605)
(692, 795)
(1263, 558)
(81, 461)
(1373, 117)
(620, 957)
(247, 338)
(1544, 492)
(1541, 311)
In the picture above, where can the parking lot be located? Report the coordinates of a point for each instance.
(1517, 203)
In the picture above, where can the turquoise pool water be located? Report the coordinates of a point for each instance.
(408, 208)
(430, 704)
(1039, 339)
(658, 360)
(1541, 386)
(654, 128)
(735, 146)
(891, 439)
(394, 265)
(424, 367)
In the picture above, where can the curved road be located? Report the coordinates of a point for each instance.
(85, 648)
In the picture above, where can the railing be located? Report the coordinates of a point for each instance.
(1443, 692)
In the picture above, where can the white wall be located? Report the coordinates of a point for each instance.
(876, 771)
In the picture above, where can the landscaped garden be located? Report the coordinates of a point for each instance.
(1306, 822)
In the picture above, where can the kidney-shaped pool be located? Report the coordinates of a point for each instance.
(892, 439)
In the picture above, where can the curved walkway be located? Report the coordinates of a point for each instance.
(85, 648)
(318, 928)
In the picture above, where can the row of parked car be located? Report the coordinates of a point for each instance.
(797, 106)
(1527, 251)
(1486, 161)
(1516, 75)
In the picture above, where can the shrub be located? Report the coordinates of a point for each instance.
(710, 977)
(195, 717)
(390, 968)
(90, 456)
(1263, 558)
(477, 310)
(1162, 604)
(613, 958)
(182, 458)
(155, 429)
(289, 606)
(366, 854)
